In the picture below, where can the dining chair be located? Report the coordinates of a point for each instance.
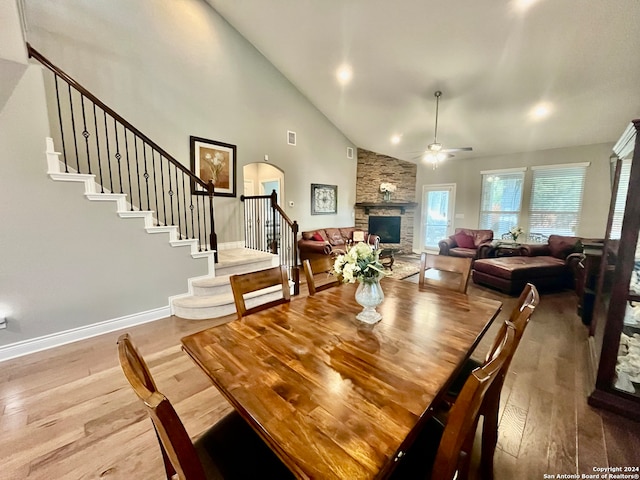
(519, 319)
(316, 266)
(230, 449)
(443, 451)
(248, 283)
(432, 268)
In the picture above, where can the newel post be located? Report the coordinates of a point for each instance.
(274, 241)
(213, 238)
(296, 268)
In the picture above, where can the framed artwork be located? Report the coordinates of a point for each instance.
(216, 161)
(324, 199)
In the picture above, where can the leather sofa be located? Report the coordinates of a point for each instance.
(548, 266)
(465, 242)
(331, 241)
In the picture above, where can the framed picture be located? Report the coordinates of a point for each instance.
(324, 199)
(214, 161)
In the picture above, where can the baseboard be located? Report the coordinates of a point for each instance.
(46, 342)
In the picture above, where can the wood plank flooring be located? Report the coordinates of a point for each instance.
(68, 413)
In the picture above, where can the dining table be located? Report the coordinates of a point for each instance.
(333, 397)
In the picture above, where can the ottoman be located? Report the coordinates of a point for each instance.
(511, 274)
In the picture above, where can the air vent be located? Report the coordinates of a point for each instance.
(291, 137)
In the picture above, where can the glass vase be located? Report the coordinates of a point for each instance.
(369, 294)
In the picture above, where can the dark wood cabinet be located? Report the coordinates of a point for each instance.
(616, 320)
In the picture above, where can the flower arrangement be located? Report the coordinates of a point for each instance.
(360, 263)
(515, 232)
(388, 187)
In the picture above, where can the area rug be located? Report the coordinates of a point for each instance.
(403, 269)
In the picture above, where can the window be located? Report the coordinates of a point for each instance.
(621, 199)
(501, 199)
(556, 198)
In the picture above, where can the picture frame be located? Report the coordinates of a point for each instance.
(213, 160)
(324, 199)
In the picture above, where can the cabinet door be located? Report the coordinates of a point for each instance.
(618, 377)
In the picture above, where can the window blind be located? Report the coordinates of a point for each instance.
(501, 201)
(556, 199)
(621, 199)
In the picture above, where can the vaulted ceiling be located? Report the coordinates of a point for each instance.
(494, 61)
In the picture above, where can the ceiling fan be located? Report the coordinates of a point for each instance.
(435, 153)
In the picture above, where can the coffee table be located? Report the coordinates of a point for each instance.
(386, 257)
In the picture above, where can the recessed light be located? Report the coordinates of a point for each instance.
(540, 111)
(396, 139)
(344, 74)
(523, 5)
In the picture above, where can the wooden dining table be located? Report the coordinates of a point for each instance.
(336, 398)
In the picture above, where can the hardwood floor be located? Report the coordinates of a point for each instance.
(68, 413)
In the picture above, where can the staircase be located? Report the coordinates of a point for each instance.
(209, 296)
(118, 163)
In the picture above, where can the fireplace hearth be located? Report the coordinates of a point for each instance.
(387, 228)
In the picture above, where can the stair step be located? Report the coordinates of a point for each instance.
(199, 307)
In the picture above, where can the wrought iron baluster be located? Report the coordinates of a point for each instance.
(135, 147)
(64, 148)
(178, 205)
(126, 146)
(198, 207)
(106, 136)
(146, 175)
(155, 185)
(184, 202)
(171, 194)
(119, 155)
(85, 133)
(95, 124)
(164, 204)
(73, 129)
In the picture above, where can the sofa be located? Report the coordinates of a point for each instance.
(465, 242)
(548, 266)
(331, 241)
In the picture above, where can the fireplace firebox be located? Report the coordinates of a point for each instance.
(387, 228)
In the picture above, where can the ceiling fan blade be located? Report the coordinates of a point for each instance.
(460, 149)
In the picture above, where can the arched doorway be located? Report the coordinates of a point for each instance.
(262, 178)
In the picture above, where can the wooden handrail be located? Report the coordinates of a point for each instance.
(45, 61)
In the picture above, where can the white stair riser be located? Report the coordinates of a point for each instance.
(201, 291)
(221, 310)
(221, 269)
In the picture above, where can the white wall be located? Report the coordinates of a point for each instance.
(468, 179)
(176, 69)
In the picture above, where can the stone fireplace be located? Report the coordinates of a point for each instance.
(374, 169)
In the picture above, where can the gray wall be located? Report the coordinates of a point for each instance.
(176, 69)
(466, 175)
(173, 69)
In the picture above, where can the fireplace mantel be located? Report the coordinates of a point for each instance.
(400, 205)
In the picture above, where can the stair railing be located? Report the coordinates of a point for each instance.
(269, 229)
(97, 140)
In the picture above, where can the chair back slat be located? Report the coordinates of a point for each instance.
(177, 449)
(463, 416)
(317, 267)
(431, 265)
(242, 284)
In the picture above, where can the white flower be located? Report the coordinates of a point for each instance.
(361, 263)
(388, 187)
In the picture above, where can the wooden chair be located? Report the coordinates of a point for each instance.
(432, 266)
(519, 319)
(445, 451)
(322, 265)
(230, 449)
(247, 283)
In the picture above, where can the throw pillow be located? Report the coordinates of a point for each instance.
(464, 241)
(317, 237)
